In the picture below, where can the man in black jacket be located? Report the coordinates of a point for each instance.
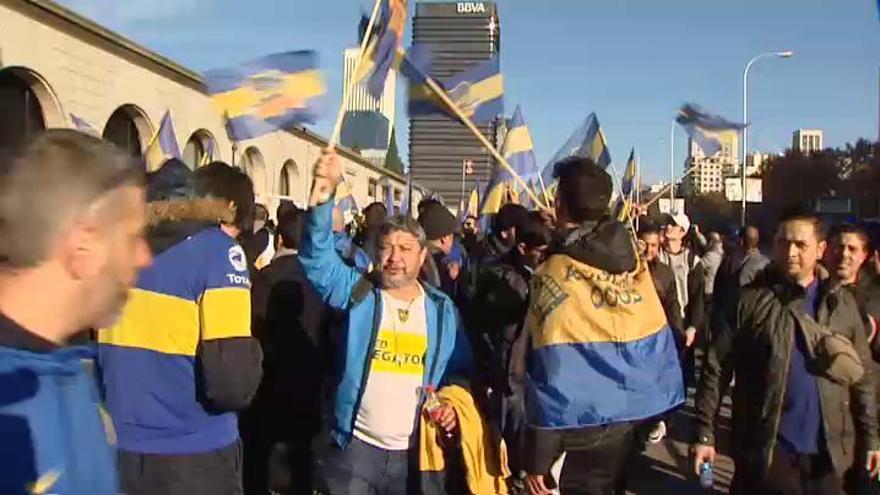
(289, 321)
(795, 429)
(501, 299)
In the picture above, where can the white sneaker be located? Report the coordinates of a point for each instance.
(658, 432)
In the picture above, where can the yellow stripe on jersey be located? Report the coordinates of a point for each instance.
(156, 322)
(226, 313)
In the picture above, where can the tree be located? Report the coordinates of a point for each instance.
(712, 211)
(795, 179)
(392, 158)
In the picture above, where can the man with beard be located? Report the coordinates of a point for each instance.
(71, 244)
(401, 337)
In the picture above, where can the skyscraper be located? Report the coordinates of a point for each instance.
(460, 34)
(368, 120)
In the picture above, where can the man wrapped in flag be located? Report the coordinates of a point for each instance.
(267, 94)
(599, 355)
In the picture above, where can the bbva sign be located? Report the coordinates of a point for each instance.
(470, 8)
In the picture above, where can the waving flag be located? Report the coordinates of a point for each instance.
(344, 198)
(163, 145)
(624, 203)
(471, 208)
(83, 126)
(588, 141)
(269, 93)
(478, 91)
(622, 346)
(703, 127)
(385, 41)
(524, 199)
(518, 149)
(208, 155)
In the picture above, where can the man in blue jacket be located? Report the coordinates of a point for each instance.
(401, 337)
(71, 244)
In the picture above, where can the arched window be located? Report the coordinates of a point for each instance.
(289, 179)
(21, 114)
(200, 149)
(129, 129)
(253, 165)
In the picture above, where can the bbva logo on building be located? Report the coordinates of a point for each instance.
(470, 8)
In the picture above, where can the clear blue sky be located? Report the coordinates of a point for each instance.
(634, 62)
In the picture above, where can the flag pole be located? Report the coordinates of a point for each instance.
(347, 88)
(480, 137)
(663, 191)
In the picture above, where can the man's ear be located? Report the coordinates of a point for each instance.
(521, 247)
(423, 255)
(78, 251)
(820, 253)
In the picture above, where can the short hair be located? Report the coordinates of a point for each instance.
(584, 188)
(649, 228)
(374, 205)
(219, 180)
(261, 213)
(533, 232)
(798, 214)
(401, 223)
(53, 179)
(290, 227)
(848, 228)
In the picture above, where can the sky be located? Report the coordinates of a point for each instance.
(633, 62)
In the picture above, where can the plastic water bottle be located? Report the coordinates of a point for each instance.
(706, 475)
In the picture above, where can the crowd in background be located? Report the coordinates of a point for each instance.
(234, 351)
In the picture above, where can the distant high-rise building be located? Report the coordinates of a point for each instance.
(460, 34)
(807, 141)
(361, 100)
(708, 176)
(368, 120)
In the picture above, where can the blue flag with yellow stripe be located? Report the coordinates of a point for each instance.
(602, 350)
(386, 39)
(478, 91)
(588, 141)
(518, 151)
(163, 145)
(270, 93)
(627, 186)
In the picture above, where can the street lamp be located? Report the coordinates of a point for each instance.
(745, 131)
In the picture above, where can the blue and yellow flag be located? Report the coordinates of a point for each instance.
(83, 126)
(208, 155)
(269, 93)
(517, 150)
(471, 207)
(385, 41)
(588, 141)
(477, 91)
(703, 127)
(589, 326)
(627, 186)
(163, 145)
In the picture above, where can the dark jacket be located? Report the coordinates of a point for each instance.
(588, 276)
(757, 339)
(501, 299)
(664, 282)
(290, 321)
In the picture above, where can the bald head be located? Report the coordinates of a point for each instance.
(751, 237)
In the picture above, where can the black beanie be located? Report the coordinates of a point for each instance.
(437, 221)
(510, 215)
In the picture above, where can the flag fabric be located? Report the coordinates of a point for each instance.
(208, 155)
(163, 145)
(622, 346)
(389, 200)
(477, 91)
(416, 63)
(518, 149)
(587, 141)
(386, 38)
(524, 199)
(471, 207)
(269, 93)
(344, 198)
(703, 127)
(624, 203)
(83, 126)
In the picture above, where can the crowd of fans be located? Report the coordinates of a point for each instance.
(234, 351)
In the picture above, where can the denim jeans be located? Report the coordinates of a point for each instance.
(362, 469)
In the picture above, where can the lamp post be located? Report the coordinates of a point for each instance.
(745, 131)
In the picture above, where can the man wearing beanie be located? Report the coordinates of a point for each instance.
(447, 272)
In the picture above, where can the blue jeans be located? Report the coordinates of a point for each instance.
(362, 469)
